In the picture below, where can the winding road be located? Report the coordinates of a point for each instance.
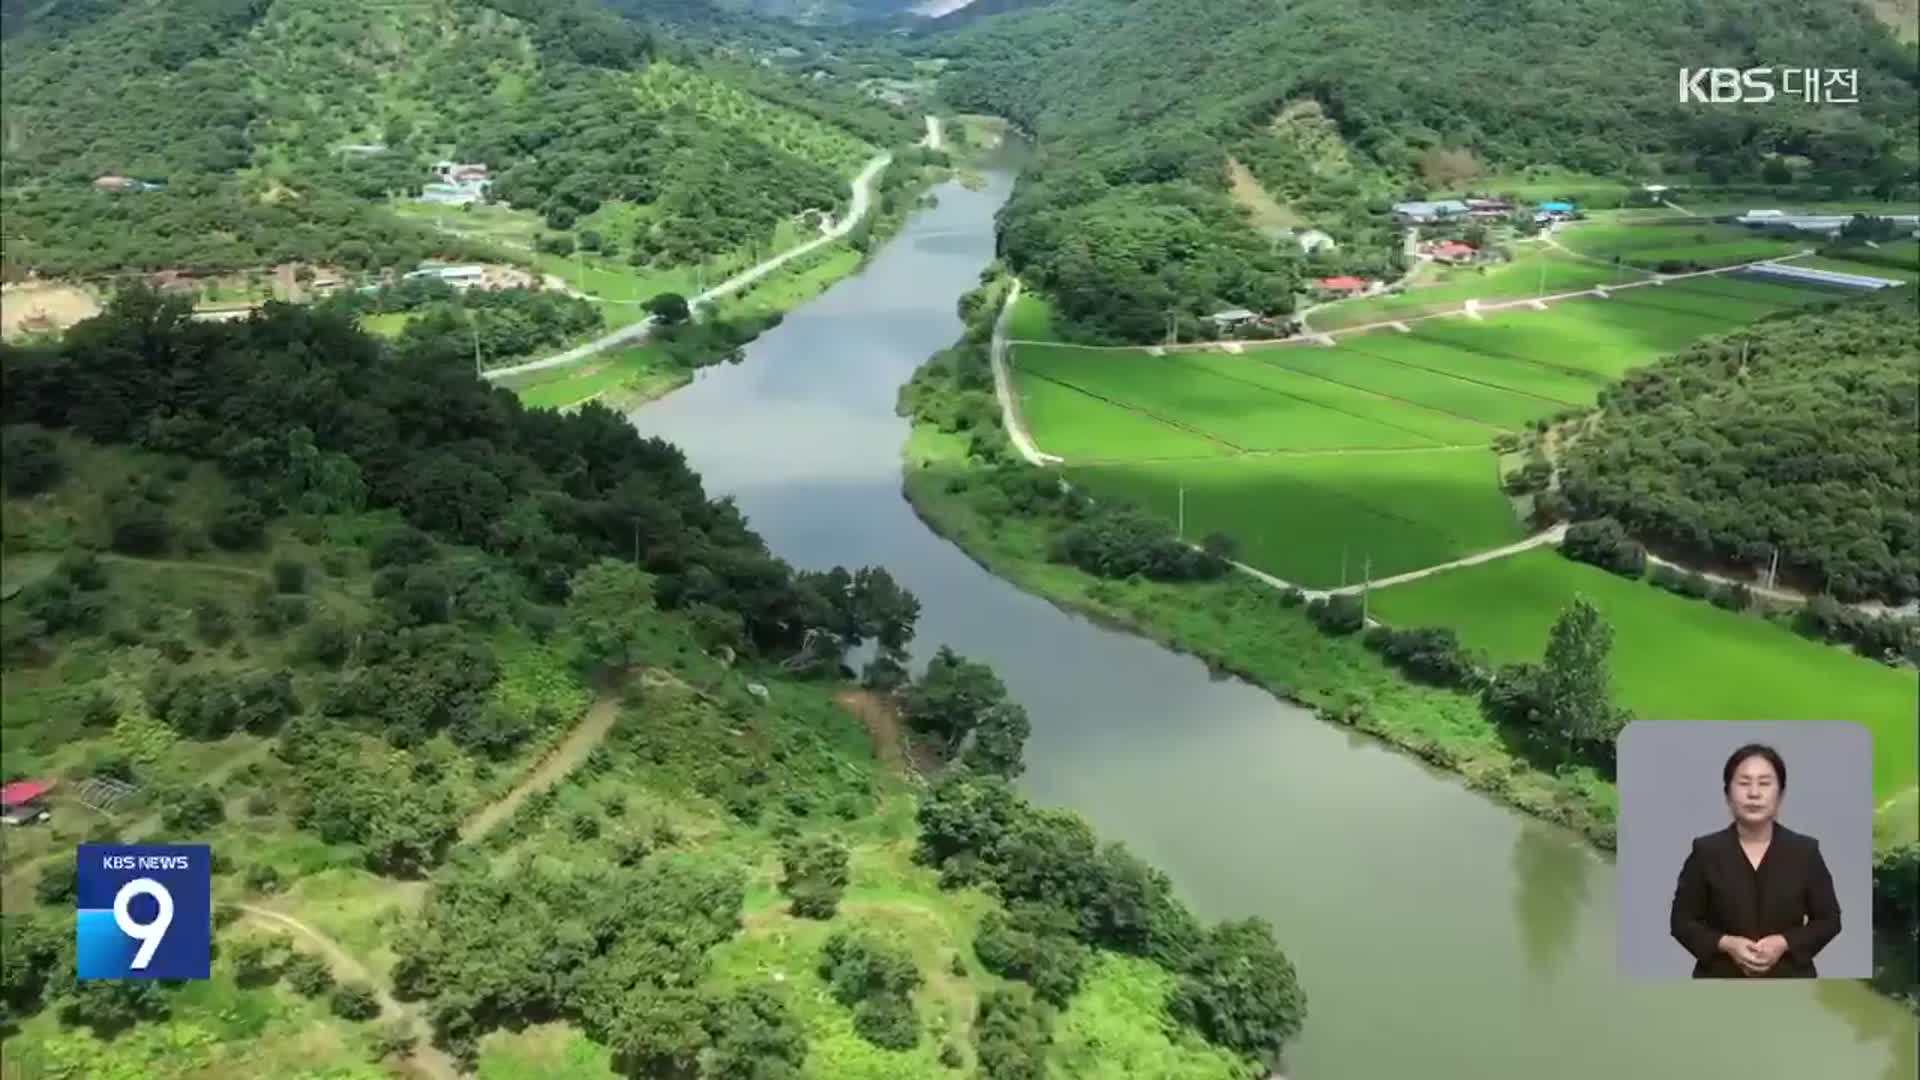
(862, 203)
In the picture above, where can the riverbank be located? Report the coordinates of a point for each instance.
(1240, 627)
(967, 483)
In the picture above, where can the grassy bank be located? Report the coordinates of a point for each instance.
(1237, 624)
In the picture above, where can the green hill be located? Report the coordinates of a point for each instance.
(274, 131)
(1138, 107)
(520, 752)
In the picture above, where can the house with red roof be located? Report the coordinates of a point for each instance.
(1343, 284)
(1452, 251)
(20, 801)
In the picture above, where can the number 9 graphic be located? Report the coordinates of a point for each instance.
(149, 934)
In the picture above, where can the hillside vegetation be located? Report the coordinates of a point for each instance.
(1796, 435)
(242, 110)
(1138, 105)
(543, 743)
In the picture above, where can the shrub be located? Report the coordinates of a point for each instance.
(309, 975)
(212, 621)
(29, 461)
(58, 883)
(194, 811)
(290, 575)
(393, 1038)
(354, 1001)
(1036, 945)
(875, 978)
(137, 524)
(1604, 543)
(1430, 654)
(262, 878)
(84, 569)
(1733, 596)
(814, 876)
(240, 525)
(1340, 614)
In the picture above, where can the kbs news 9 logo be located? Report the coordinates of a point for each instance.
(146, 912)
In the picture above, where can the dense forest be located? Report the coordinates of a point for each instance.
(428, 539)
(1796, 435)
(1139, 106)
(243, 113)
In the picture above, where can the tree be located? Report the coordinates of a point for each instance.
(109, 1006)
(876, 978)
(29, 461)
(659, 1033)
(1034, 943)
(670, 308)
(814, 875)
(1012, 1031)
(1604, 543)
(309, 974)
(195, 811)
(354, 1001)
(607, 597)
(1574, 687)
(1239, 990)
(999, 740)
(951, 698)
(755, 1037)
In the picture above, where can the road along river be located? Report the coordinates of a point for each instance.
(1438, 934)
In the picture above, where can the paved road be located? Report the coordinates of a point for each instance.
(862, 202)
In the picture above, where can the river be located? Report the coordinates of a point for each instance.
(1438, 934)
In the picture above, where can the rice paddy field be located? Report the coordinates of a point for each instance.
(1316, 459)
(1673, 658)
(1647, 243)
(1324, 519)
(1538, 272)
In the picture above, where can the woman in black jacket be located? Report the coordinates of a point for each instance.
(1754, 899)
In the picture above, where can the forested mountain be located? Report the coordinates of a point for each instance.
(1795, 435)
(268, 126)
(1139, 104)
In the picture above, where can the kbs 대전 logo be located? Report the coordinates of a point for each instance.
(146, 912)
(1726, 86)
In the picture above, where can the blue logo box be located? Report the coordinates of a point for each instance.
(146, 911)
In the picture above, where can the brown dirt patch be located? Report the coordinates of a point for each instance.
(1266, 210)
(891, 744)
(42, 307)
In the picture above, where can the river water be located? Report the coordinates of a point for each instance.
(1438, 934)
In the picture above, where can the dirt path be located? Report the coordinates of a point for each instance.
(883, 724)
(188, 565)
(428, 1059)
(566, 757)
(1003, 385)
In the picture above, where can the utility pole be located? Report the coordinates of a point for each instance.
(475, 327)
(1773, 571)
(1181, 531)
(1543, 280)
(636, 541)
(1343, 566)
(1364, 590)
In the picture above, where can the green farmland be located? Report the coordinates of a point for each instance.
(1242, 413)
(1674, 658)
(1647, 244)
(1295, 515)
(1536, 273)
(1376, 447)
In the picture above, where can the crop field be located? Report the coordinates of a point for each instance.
(1532, 274)
(1889, 261)
(1375, 448)
(1561, 386)
(1604, 338)
(1429, 389)
(1313, 415)
(1673, 658)
(1294, 515)
(1646, 244)
(1077, 426)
